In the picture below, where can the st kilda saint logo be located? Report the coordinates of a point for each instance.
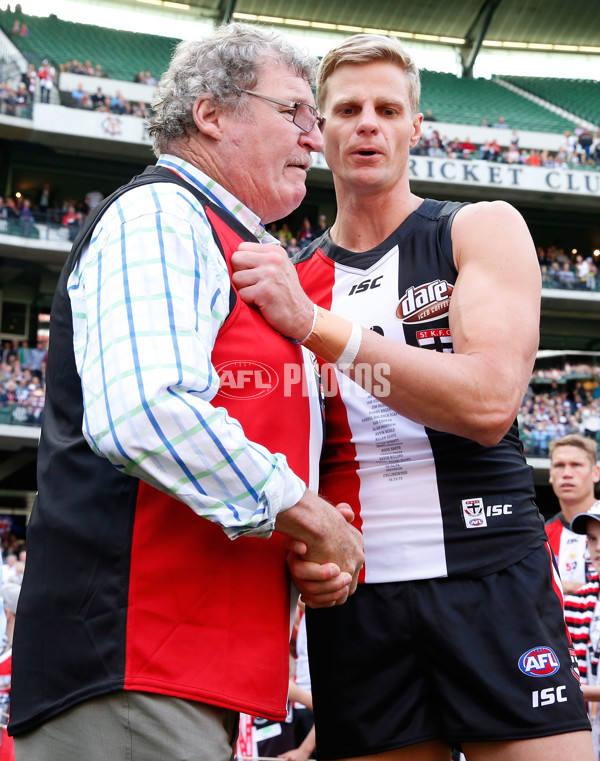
(422, 303)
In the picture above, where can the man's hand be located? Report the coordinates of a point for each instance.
(325, 552)
(265, 278)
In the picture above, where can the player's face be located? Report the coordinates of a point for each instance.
(593, 542)
(268, 155)
(572, 474)
(370, 127)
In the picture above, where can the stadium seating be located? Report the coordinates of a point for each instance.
(579, 96)
(122, 55)
(467, 101)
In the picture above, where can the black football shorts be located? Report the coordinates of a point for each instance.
(453, 659)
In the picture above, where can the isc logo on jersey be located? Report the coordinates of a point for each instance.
(476, 513)
(425, 302)
(539, 661)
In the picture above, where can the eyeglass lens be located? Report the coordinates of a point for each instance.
(305, 117)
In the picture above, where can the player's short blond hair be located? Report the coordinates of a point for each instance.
(369, 48)
(576, 440)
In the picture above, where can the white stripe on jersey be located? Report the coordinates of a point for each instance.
(402, 520)
(316, 419)
(571, 563)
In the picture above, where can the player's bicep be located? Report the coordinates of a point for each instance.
(494, 310)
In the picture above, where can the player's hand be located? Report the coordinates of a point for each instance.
(265, 278)
(325, 554)
(321, 585)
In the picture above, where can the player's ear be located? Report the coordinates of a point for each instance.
(416, 133)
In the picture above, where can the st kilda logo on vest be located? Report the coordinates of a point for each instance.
(426, 302)
(246, 379)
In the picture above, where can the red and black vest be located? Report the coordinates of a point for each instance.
(128, 588)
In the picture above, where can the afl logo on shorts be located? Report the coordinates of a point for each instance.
(539, 661)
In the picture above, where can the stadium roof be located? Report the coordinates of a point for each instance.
(556, 23)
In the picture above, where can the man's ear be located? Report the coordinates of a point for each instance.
(206, 117)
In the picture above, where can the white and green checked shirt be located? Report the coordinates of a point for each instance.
(148, 297)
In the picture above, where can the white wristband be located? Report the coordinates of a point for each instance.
(312, 327)
(352, 348)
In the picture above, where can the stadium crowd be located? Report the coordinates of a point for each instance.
(580, 148)
(22, 382)
(560, 401)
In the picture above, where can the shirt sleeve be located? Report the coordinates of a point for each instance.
(148, 298)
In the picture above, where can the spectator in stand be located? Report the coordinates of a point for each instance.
(429, 117)
(585, 143)
(35, 404)
(501, 124)
(141, 111)
(149, 79)
(99, 100)
(285, 233)
(305, 233)
(321, 226)
(467, 149)
(533, 159)
(93, 198)
(30, 79)
(46, 75)
(79, 96)
(9, 563)
(72, 222)
(24, 31)
(584, 272)
(566, 276)
(26, 220)
(16, 28)
(293, 248)
(12, 212)
(119, 105)
(8, 99)
(38, 355)
(21, 99)
(44, 200)
(570, 146)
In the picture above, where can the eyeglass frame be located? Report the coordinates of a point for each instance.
(319, 120)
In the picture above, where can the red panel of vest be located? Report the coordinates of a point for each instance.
(209, 617)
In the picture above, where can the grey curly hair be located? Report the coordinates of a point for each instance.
(222, 64)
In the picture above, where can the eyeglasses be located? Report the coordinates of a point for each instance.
(304, 116)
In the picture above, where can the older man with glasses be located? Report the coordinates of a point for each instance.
(142, 628)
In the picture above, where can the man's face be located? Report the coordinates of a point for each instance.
(267, 155)
(370, 126)
(593, 542)
(572, 474)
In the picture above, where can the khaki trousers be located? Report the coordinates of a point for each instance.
(133, 726)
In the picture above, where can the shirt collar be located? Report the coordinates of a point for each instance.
(217, 194)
